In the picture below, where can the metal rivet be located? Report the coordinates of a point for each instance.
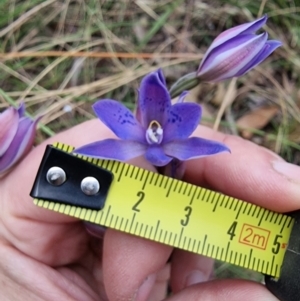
(90, 186)
(56, 176)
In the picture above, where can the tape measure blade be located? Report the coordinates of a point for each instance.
(185, 216)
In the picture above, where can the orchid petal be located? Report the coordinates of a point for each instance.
(182, 96)
(112, 149)
(226, 60)
(154, 99)
(21, 143)
(247, 28)
(156, 156)
(28, 137)
(119, 119)
(9, 120)
(252, 27)
(183, 118)
(229, 49)
(161, 76)
(269, 47)
(193, 148)
(21, 109)
(138, 114)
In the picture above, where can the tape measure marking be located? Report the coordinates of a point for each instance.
(188, 217)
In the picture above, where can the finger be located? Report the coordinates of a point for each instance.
(220, 290)
(130, 265)
(160, 288)
(23, 278)
(188, 269)
(251, 173)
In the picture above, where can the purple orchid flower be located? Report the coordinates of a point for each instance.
(159, 132)
(16, 136)
(236, 51)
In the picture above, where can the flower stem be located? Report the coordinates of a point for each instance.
(175, 169)
(186, 82)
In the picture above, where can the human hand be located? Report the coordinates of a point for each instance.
(48, 256)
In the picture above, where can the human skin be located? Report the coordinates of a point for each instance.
(49, 256)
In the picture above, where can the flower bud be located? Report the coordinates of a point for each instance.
(17, 134)
(236, 51)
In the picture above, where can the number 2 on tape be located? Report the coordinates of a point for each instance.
(185, 216)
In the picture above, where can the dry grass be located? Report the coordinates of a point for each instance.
(59, 56)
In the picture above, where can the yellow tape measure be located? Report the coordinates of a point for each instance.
(186, 216)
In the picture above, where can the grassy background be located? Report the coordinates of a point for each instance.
(59, 56)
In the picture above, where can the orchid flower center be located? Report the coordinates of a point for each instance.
(154, 133)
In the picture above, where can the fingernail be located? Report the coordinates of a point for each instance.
(288, 170)
(144, 291)
(195, 277)
(95, 230)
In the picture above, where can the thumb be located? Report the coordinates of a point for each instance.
(251, 173)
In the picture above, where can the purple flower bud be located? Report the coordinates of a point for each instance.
(16, 136)
(236, 51)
